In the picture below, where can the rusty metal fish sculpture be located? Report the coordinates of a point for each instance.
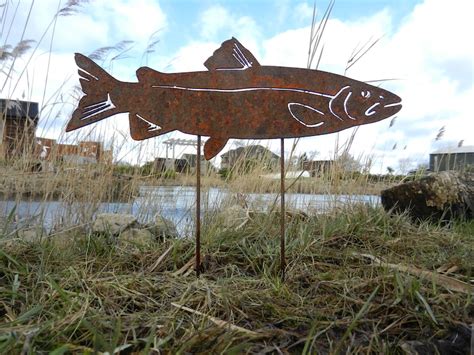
(236, 98)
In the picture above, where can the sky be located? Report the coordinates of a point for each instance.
(422, 44)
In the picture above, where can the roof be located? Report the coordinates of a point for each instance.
(455, 150)
(250, 150)
(19, 109)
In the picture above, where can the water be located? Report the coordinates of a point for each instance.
(174, 202)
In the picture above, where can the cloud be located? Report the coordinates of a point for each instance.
(426, 52)
(217, 24)
(213, 21)
(192, 56)
(303, 12)
(434, 71)
(97, 24)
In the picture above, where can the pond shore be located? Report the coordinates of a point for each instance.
(358, 280)
(106, 185)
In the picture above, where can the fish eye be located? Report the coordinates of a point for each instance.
(381, 96)
(365, 94)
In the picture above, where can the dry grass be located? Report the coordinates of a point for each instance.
(68, 183)
(353, 281)
(80, 294)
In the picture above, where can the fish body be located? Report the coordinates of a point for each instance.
(235, 98)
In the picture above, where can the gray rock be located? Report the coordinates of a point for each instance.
(443, 195)
(31, 234)
(64, 237)
(136, 236)
(163, 228)
(113, 223)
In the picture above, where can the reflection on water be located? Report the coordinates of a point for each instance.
(174, 202)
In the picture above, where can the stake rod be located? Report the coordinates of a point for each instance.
(198, 207)
(282, 210)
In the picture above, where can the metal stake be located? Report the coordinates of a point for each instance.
(282, 210)
(198, 207)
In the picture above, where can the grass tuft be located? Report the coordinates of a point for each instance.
(82, 294)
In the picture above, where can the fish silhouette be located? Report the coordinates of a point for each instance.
(236, 98)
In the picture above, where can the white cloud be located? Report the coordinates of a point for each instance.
(303, 12)
(214, 20)
(192, 56)
(218, 24)
(99, 23)
(428, 51)
(420, 52)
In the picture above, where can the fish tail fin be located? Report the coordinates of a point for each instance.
(97, 103)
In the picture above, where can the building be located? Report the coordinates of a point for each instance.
(458, 158)
(191, 163)
(18, 121)
(185, 164)
(162, 164)
(91, 150)
(250, 153)
(317, 167)
(82, 153)
(65, 150)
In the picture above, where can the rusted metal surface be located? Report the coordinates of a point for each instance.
(198, 208)
(236, 98)
(282, 210)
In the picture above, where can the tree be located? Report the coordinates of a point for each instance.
(348, 163)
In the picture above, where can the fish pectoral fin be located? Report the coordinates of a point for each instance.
(231, 55)
(306, 114)
(213, 146)
(142, 128)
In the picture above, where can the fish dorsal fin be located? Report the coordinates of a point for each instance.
(231, 55)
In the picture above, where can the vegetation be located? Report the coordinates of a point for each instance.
(67, 183)
(351, 287)
(358, 280)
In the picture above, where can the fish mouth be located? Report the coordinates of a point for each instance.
(395, 104)
(393, 107)
(389, 109)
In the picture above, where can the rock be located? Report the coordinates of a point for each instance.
(163, 228)
(64, 237)
(438, 196)
(31, 234)
(113, 223)
(136, 236)
(456, 340)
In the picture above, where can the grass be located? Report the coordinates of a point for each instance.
(79, 294)
(358, 280)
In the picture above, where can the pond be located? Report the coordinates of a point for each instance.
(174, 202)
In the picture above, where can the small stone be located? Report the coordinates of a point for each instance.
(64, 238)
(31, 235)
(136, 236)
(113, 223)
